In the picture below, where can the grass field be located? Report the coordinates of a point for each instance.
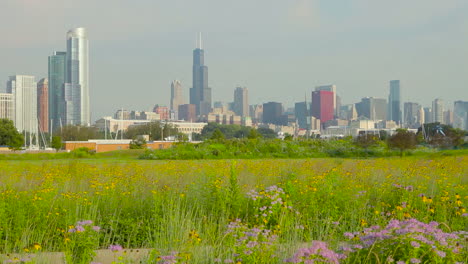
(246, 211)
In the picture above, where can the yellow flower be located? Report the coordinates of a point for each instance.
(37, 246)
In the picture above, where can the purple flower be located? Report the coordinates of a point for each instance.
(415, 244)
(96, 228)
(440, 253)
(85, 222)
(79, 229)
(415, 261)
(115, 248)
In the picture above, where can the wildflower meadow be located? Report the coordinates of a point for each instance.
(324, 210)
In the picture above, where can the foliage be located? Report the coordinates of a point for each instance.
(76, 133)
(217, 135)
(9, 136)
(155, 129)
(402, 140)
(138, 143)
(56, 143)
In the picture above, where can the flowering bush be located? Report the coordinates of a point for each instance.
(81, 241)
(317, 253)
(408, 241)
(250, 245)
(269, 205)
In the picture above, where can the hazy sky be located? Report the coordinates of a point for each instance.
(279, 49)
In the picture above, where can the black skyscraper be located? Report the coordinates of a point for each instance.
(200, 93)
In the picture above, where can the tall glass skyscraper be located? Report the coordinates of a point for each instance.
(394, 102)
(57, 66)
(24, 90)
(200, 93)
(76, 87)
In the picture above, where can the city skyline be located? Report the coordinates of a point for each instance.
(300, 47)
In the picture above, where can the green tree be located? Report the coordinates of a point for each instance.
(9, 135)
(77, 133)
(217, 135)
(253, 134)
(366, 141)
(56, 143)
(402, 140)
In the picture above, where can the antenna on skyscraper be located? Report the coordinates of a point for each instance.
(199, 41)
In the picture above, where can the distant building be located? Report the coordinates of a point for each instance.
(302, 113)
(24, 90)
(43, 104)
(163, 112)
(438, 111)
(448, 117)
(372, 108)
(413, 115)
(241, 101)
(330, 88)
(322, 105)
(394, 102)
(460, 115)
(177, 97)
(428, 116)
(273, 113)
(200, 93)
(123, 114)
(57, 65)
(7, 109)
(256, 113)
(188, 112)
(76, 87)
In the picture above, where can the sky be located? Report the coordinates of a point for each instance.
(279, 49)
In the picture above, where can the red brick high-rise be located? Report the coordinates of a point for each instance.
(43, 105)
(322, 105)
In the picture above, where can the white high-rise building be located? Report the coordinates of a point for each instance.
(76, 87)
(24, 91)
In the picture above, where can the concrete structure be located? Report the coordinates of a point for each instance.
(112, 145)
(273, 113)
(122, 114)
(322, 105)
(200, 93)
(330, 88)
(460, 115)
(24, 90)
(241, 101)
(188, 112)
(57, 65)
(394, 102)
(113, 125)
(76, 87)
(438, 111)
(43, 104)
(7, 109)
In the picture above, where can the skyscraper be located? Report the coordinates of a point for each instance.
(372, 108)
(394, 102)
(57, 66)
(200, 93)
(76, 88)
(322, 105)
(43, 104)
(301, 112)
(427, 115)
(177, 97)
(241, 101)
(330, 88)
(438, 110)
(24, 90)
